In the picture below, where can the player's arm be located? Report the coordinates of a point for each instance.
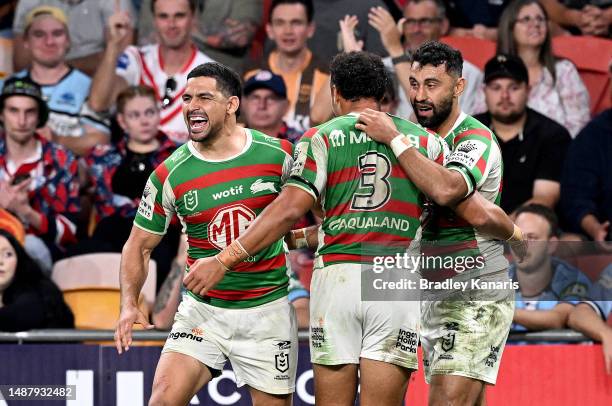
(445, 187)
(132, 275)
(555, 318)
(307, 237)
(584, 319)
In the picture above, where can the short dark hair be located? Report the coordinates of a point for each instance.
(359, 75)
(306, 3)
(228, 81)
(437, 53)
(192, 6)
(544, 212)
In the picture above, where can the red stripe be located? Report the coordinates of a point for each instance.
(173, 113)
(157, 208)
(451, 248)
(423, 141)
(475, 131)
(252, 203)
(326, 141)
(263, 265)
(392, 206)
(309, 134)
(227, 175)
(328, 258)
(148, 74)
(481, 165)
(343, 175)
(287, 147)
(240, 294)
(310, 165)
(389, 240)
(201, 243)
(162, 173)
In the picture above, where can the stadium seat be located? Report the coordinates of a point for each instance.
(591, 55)
(477, 51)
(593, 265)
(100, 270)
(96, 308)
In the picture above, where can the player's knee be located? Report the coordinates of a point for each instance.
(160, 395)
(451, 396)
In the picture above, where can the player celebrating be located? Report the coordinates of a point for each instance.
(462, 340)
(216, 183)
(367, 202)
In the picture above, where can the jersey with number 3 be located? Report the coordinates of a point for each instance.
(371, 207)
(215, 202)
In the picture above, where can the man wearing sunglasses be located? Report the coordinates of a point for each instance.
(162, 66)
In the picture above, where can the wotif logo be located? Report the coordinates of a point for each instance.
(233, 191)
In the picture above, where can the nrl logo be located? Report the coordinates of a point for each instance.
(190, 200)
(260, 186)
(281, 362)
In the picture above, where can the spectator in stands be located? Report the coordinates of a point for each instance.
(424, 20)
(38, 178)
(586, 184)
(28, 298)
(533, 146)
(589, 317)
(326, 42)
(475, 18)
(162, 66)
(589, 17)
(548, 286)
(7, 15)
(87, 23)
(224, 29)
(64, 88)
(290, 25)
(118, 174)
(265, 103)
(556, 88)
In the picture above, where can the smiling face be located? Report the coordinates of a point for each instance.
(8, 263)
(173, 21)
(48, 41)
(205, 108)
(432, 93)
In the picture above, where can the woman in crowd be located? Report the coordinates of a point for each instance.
(28, 298)
(556, 88)
(119, 173)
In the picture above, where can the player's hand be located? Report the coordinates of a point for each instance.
(203, 275)
(390, 34)
(129, 316)
(119, 31)
(377, 125)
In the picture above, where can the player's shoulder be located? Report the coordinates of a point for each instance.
(177, 158)
(344, 122)
(408, 127)
(270, 144)
(472, 124)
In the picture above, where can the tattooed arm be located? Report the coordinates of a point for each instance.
(168, 298)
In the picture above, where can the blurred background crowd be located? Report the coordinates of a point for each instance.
(91, 104)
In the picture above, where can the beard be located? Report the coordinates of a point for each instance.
(440, 112)
(508, 118)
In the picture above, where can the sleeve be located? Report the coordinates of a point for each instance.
(129, 65)
(288, 162)
(577, 289)
(472, 156)
(581, 179)
(550, 162)
(574, 96)
(94, 119)
(309, 170)
(600, 294)
(156, 207)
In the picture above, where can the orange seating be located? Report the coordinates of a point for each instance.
(591, 55)
(475, 50)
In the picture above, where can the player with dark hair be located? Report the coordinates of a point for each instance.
(371, 209)
(462, 340)
(216, 184)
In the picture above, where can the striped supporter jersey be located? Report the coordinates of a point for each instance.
(475, 154)
(371, 207)
(215, 202)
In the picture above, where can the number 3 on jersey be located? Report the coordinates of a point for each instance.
(374, 188)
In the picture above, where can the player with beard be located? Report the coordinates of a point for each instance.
(216, 184)
(371, 209)
(462, 340)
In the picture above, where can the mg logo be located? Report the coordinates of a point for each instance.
(228, 223)
(191, 200)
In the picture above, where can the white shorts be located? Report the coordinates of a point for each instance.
(343, 328)
(260, 342)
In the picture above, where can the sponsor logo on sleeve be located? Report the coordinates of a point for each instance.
(147, 203)
(467, 153)
(299, 158)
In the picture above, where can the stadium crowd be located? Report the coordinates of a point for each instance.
(92, 103)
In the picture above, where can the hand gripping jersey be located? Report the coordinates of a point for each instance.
(475, 154)
(215, 202)
(371, 207)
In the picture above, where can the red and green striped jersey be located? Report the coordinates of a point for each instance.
(215, 202)
(475, 154)
(371, 207)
